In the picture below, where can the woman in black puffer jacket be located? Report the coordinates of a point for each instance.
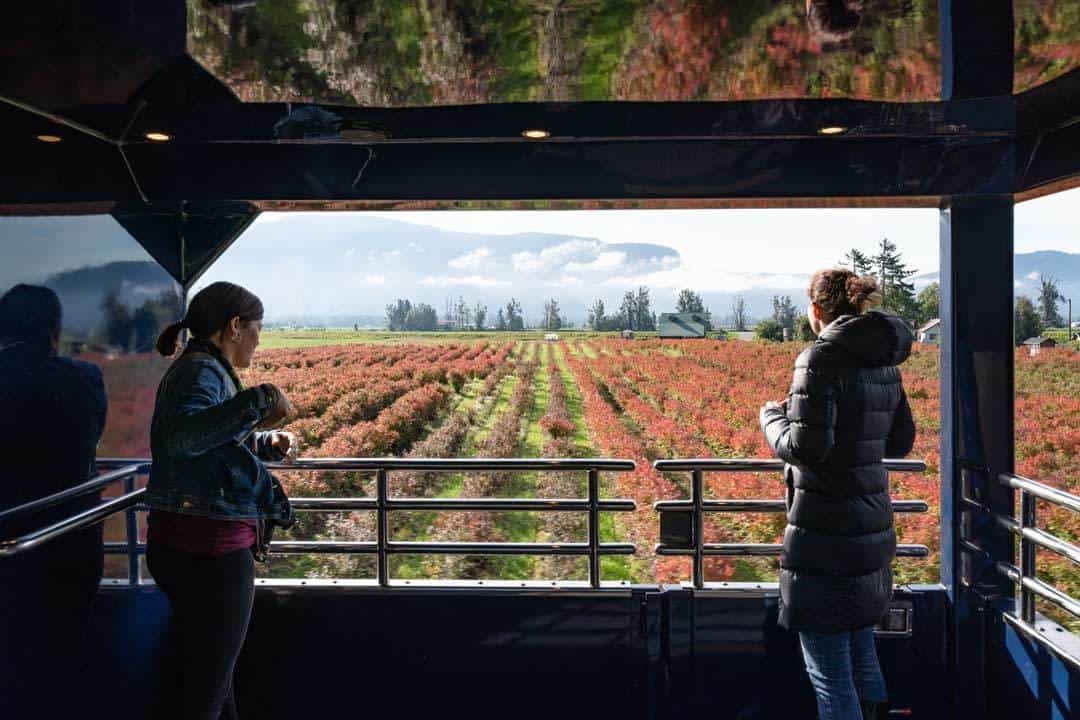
(846, 412)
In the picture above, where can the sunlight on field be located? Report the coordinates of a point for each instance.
(588, 394)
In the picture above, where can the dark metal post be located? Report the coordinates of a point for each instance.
(382, 524)
(697, 491)
(594, 528)
(132, 527)
(1027, 557)
(976, 425)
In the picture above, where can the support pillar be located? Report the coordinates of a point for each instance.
(976, 428)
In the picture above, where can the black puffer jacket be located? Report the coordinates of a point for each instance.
(846, 411)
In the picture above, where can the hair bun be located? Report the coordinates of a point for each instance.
(862, 291)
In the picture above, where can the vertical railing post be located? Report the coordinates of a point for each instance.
(697, 492)
(382, 524)
(594, 527)
(1027, 557)
(131, 522)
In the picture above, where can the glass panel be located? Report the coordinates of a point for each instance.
(115, 299)
(1047, 408)
(386, 336)
(1047, 41)
(410, 53)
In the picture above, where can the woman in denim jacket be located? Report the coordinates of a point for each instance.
(210, 495)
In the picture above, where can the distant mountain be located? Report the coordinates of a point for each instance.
(326, 269)
(1027, 267)
(82, 291)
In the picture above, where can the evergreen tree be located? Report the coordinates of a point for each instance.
(689, 302)
(500, 320)
(859, 263)
(898, 295)
(1026, 323)
(514, 320)
(1049, 295)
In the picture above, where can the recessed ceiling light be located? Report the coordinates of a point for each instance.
(158, 136)
(535, 134)
(49, 138)
(832, 130)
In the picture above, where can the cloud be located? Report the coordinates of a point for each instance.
(552, 257)
(1032, 275)
(375, 279)
(604, 262)
(443, 281)
(471, 259)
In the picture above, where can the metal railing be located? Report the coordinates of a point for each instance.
(128, 503)
(1028, 586)
(686, 522)
(382, 504)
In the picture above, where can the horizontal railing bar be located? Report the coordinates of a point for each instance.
(766, 550)
(1040, 538)
(86, 518)
(1033, 634)
(1046, 592)
(768, 506)
(515, 504)
(761, 465)
(434, 548)
(1041, 491)
(85, 488)
(439, 465)
(430, 464)
(121, 548)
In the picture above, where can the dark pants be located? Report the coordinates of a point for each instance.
(43, 649)
(211, 600)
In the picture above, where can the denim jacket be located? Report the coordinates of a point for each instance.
(206, 453)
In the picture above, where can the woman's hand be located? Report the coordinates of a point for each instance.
(285, 443)
(772, 404)
(281, 411)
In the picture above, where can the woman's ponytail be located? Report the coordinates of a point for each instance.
(210, 312)
(862, 293)
(169, 339)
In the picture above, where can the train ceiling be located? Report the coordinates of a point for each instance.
(184, 119)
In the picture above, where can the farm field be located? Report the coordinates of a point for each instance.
(506, 395)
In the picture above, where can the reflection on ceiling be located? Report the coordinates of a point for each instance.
(1047, 40)
(429, 52)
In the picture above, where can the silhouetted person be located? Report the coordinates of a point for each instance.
(52, 413)
(211, 497)
(846, 411)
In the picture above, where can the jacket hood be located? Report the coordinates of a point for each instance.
(877, 339)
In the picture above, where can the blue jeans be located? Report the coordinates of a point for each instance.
(843, 669)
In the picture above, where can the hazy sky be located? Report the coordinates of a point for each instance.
(721, 252)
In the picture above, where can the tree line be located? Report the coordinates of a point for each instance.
(405, 315)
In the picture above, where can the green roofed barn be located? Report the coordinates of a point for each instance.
(683, 325)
